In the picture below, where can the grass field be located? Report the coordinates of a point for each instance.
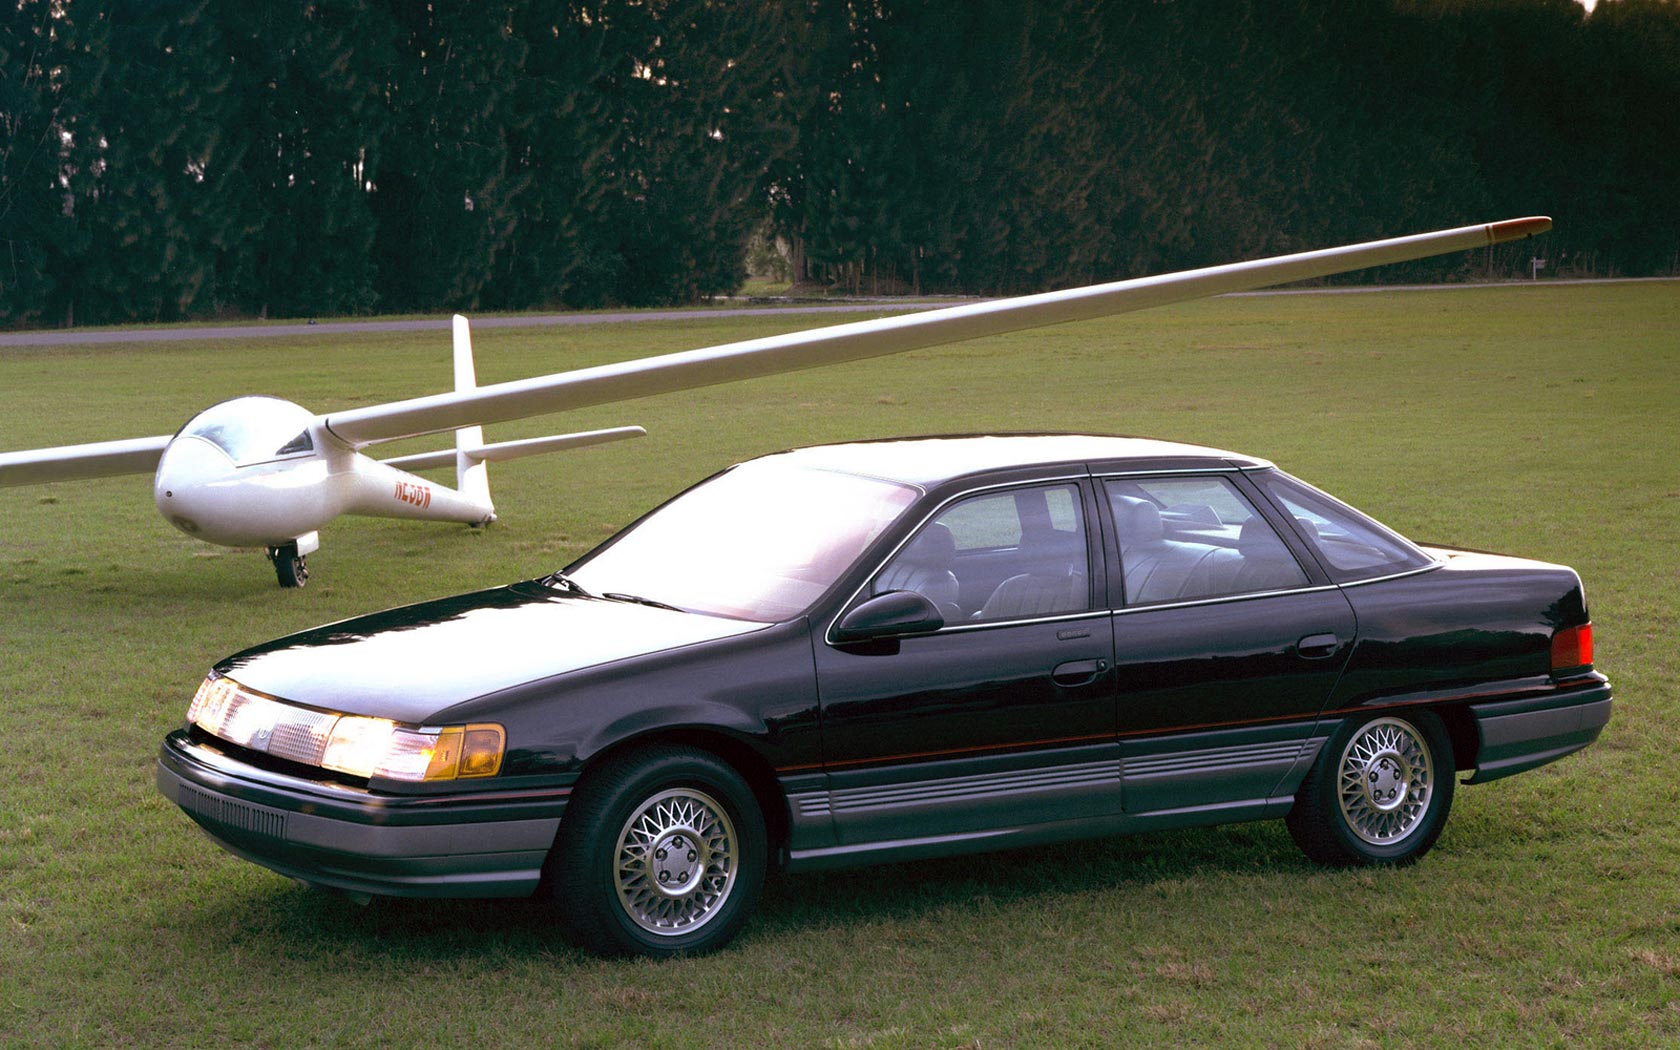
(1538, 421)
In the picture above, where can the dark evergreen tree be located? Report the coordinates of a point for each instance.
(173, 158)
(146, 134)
(311, 118)
(445, 194)
(1627, 180)
(696, 93)
(38, 50)
(562, 157)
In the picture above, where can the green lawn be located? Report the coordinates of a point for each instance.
(1540, 421)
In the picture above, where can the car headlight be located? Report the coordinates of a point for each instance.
(442, 752)
(355, 744)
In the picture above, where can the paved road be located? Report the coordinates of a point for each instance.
(77, 337)
(1363, 289)
(65, 337)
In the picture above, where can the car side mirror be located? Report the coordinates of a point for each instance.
(890, 615)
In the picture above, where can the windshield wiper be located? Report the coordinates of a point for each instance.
(639, 600)
(559, 579)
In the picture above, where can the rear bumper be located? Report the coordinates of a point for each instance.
(1516, 735)
(472, 844)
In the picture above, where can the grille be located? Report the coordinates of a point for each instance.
(234, 814)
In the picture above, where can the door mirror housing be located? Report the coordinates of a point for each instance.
(890, 615)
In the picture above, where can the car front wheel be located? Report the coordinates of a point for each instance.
(1378, 794)
(660, 853)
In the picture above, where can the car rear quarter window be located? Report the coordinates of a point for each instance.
(1351, 545)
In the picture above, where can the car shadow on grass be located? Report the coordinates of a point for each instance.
(1124, 865)
(295, 921)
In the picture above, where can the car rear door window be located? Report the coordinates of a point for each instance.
(1194, 538)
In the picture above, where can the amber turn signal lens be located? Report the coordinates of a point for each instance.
(1572, 648)
(481, 751)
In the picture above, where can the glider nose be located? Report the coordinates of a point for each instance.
(180, 489)
(200, 490)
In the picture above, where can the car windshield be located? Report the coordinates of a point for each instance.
(760, 542)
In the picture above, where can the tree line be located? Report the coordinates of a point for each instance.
(167, 159)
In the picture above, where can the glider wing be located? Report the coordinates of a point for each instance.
(865, 339)
(783, 353)
(99, 459)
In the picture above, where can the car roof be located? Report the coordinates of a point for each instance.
(930, 460)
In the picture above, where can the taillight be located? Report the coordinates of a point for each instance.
(1572, 648)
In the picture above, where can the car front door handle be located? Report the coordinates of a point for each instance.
(1318, 646)
(1078, 672)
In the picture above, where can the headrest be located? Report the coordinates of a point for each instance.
(934, 545)
(1138, 520)
(1256, 533)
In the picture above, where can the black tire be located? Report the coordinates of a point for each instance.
(289, 567)
(662, 852)
(1378, 794)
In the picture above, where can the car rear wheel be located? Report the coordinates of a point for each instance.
(661, 853)
(1379, 793)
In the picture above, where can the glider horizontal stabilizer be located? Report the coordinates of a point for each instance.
(502, 451)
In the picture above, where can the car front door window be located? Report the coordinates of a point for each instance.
(1006, 555)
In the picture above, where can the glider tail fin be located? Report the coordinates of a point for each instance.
(472, 473)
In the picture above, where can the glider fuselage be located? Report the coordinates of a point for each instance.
(261, 472)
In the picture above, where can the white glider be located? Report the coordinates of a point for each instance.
(259, 471)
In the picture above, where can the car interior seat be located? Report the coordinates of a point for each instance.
(925, 566)
(1157, 569)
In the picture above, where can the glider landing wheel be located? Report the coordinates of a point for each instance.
(289, 567)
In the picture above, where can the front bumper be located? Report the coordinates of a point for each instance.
(476, 843)
(1516, 735)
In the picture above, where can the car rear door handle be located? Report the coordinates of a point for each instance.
(1078, 672)
(1318, 646)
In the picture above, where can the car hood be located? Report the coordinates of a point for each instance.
(408, 663)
